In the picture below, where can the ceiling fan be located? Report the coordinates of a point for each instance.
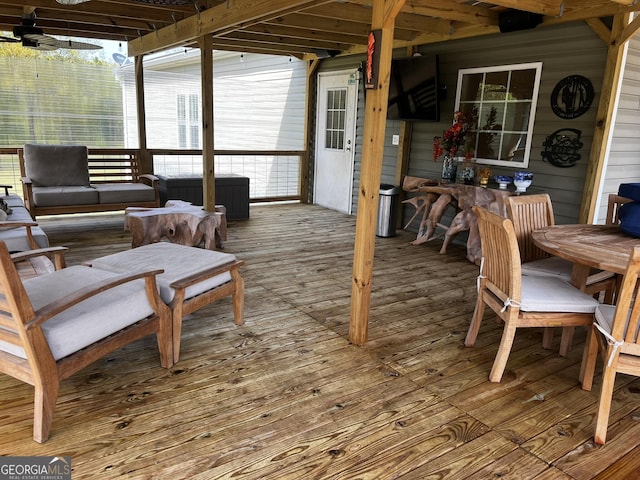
(33, 37)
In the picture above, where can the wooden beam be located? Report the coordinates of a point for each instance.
(218, 20)
(604, 121)
(600, 29)
(630, 30)
(309, 112)
(384, 12)
(146, 161)
(208, 148)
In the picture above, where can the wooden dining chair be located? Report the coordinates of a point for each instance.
(616, 335)
(55, 324)
(519, 300)
(613, 208)
(532, 212)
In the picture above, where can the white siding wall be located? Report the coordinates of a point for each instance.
(623, 162)
(258, 100)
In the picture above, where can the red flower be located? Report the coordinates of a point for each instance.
(453, 138)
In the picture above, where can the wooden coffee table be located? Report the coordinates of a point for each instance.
(179, 222)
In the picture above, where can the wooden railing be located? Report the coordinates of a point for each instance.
(274, 175)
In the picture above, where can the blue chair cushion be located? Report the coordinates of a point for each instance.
(630, 218)
(630, 190)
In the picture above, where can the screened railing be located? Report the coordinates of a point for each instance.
(273, 175)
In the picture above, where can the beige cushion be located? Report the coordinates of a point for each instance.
(549, 267)
(64, 195)
(89, 321)
(178, 262)
(53, 165)
(124, 192)
(550, 294)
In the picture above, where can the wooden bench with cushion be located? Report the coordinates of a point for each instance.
(59, 179)
(191, 279)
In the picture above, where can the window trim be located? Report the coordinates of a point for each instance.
(537, 66)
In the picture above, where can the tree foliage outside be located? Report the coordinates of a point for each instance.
(59, 97)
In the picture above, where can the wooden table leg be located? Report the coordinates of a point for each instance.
(579, 278)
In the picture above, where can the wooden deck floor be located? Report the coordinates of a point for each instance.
(287, 397)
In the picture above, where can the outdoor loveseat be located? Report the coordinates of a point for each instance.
(59, 179)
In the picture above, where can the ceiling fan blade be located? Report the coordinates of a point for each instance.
(175, 3)
(9, 39)
(71, 2)
(51, 43)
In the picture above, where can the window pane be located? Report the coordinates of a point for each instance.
(495, 86)
(522, 83)
(499, 101)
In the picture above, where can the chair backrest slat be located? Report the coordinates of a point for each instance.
(501, 264)
(613, 208)
(627, 316)
(529, 213)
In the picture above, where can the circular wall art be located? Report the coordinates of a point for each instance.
(572, 96)
(562, 147)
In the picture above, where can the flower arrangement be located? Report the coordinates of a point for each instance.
(453, 138)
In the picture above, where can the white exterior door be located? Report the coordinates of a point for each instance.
(337, 101)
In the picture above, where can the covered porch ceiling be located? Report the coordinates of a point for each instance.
(300, 28)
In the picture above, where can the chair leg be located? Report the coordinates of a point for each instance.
(45, 398)
(566, 341)
(589, 358)
(604, 405)
(476, 320)
(504, 350)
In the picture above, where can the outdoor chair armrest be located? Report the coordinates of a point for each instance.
(52, 309)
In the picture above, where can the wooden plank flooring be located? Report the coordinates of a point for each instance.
(287, 397)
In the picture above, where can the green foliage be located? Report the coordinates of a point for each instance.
(62, 97)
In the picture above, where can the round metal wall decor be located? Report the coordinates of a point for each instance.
(562, 147)
(572, 96)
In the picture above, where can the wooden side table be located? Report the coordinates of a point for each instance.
(179, 222)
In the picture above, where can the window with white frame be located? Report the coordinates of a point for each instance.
(500, 103)
(188, 121)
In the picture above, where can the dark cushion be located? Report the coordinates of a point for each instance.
(630, 218)
(56, 165)
(630, 190)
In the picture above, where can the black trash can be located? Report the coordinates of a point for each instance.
(387, 210)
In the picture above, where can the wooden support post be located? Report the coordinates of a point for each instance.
(309, 111)
(604, 126)
(208, 149)
(384, 13)
(146, 162)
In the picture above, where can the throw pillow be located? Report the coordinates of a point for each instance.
(56, 165)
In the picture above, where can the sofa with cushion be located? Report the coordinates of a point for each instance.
(17, 228)
(58, 179)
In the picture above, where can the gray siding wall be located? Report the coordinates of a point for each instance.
(623, 160)
(572, 49)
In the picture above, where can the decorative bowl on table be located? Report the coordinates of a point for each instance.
(522, 181)
(503, 181)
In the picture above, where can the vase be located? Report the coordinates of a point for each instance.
(449, 169)
(466, 172)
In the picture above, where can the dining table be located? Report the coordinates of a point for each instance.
(588, 247)
(604, 247)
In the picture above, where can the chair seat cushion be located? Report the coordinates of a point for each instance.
(124, 192)
(550, 294)
(64, 195)
(89, 321)
(549, 267)
(178, 262)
